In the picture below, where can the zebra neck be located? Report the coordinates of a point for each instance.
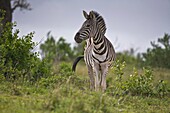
(98, 38)
(88, 42)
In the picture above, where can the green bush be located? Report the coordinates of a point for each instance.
(17, 59)
(64, 76)
(162, 88)
(15, 53)
(115, 86)
(140, 84)
(64, 72)
(41, 69)
(65, 69)
(136, 83)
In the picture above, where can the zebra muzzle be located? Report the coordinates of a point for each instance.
(77, 38)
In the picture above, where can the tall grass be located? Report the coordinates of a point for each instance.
(68, 92)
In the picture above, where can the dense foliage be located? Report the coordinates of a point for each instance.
(136, 83)
(17, 59)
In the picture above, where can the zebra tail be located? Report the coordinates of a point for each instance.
(75, 62)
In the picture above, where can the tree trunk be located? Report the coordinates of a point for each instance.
(6, 6)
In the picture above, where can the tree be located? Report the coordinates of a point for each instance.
(56, 51)
(78, 49)
(9, 6)
(48, 48)
(64, 51)
(159, 54)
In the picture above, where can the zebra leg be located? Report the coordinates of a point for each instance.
(96, 76)
(90, 73)
(104, 71)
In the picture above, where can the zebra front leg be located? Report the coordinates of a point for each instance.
(91, 76)
(96, 76)
(104, 71)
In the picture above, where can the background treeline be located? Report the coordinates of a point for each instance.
(18, 59)
(59, 50)
(156, 56)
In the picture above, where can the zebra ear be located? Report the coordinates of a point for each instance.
(85, 14)
(92, 15)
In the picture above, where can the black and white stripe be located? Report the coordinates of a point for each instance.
(99, 52)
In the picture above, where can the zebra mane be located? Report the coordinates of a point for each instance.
(100, 22)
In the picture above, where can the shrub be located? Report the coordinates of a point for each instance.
(17, 59)
(63, 74)
(162, 88)
(15, 53)
(116, 86)
(42, 68)
(135, 84)
(140, 84)
(63, 77)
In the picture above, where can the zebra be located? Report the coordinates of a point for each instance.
(99, 52)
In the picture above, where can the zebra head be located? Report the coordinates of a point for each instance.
(92, 23)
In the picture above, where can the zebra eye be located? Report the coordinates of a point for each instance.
(87, 25)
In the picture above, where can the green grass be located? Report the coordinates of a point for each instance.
(73, 100)
(73, 96)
